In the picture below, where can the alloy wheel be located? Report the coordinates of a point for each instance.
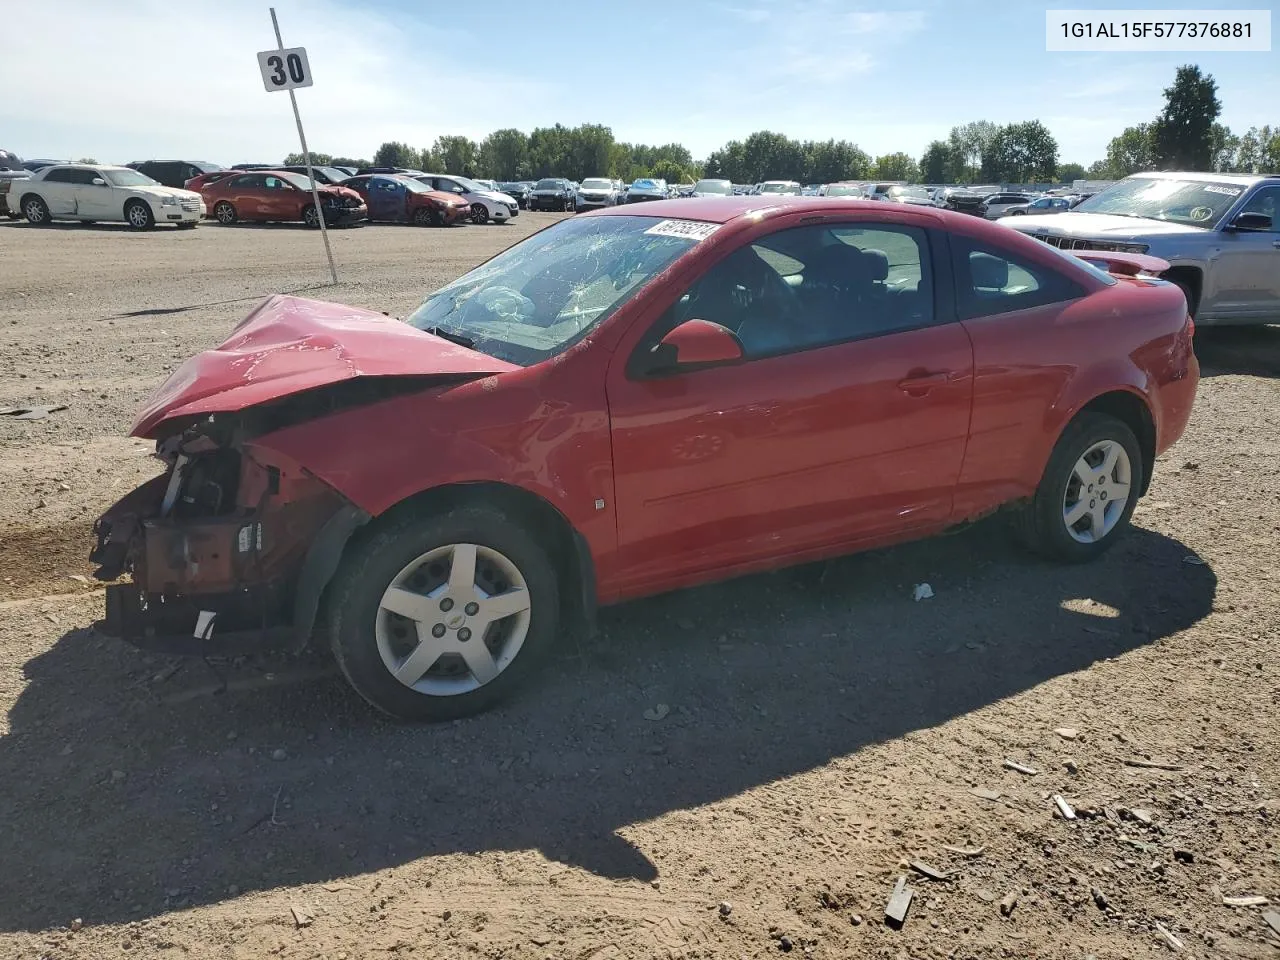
(453, 619)
(34, 210)
(479, 213)
(138, 216)
(1097, 492)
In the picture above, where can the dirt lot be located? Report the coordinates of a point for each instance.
(823, 729)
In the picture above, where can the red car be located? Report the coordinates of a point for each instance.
(405, 200)
(635, 400)
(197, 183)
(275, 195)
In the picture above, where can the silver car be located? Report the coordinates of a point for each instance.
(1219, 232)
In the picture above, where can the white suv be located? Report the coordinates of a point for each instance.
(73, 191)
(486, 205)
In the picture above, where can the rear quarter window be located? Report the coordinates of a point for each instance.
(991, 281)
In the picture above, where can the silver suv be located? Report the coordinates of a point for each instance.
(1219, 232)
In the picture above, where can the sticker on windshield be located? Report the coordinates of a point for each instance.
(1225, 191)
(695, 230)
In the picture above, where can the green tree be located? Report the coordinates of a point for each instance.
(968, 142)
(1182, 136)
(831, 160)
(1130, 152)
(1021, 153)
(393, 153)
(1226, 149)
(457, 155)
(86, 160)
(1068, 172)
(935, 162)
(504, 155)
(1099, 170)
(349, 162)
(672, 172)
(590, 148)
(549, 151)
(317, 159)
(896, 166)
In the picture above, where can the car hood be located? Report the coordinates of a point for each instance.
(290, 344)
(1110, 226)
(442, 196)
(495, 196)
(162, 191)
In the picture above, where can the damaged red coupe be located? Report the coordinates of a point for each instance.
(628, 402)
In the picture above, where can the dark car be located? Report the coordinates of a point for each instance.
(254, 166)
(324, 174)
(174, 173)
(396, 199)
(552, 193)
(35, 166)
(965, 202)
(11, 169)
(407, 171)
(518, 191)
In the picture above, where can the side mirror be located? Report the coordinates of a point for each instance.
(1252, 221)
(694, 343)
(99, 182)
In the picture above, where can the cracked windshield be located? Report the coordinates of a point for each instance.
(541, 296)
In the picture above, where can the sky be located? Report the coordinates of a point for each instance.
(697, 72)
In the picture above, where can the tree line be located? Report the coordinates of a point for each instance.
(1185, 135)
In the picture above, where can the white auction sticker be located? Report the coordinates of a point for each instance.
(695, 230)
(1184, 31)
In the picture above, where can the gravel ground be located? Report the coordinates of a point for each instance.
(819, 731)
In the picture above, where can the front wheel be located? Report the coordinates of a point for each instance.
(436, 617)
(479, 213)
(1087, 494)
(138, 215)
(310, 215)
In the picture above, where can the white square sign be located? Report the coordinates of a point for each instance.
(284, 69)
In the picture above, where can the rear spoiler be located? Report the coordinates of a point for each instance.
(1124, 264)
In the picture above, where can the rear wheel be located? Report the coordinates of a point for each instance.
(225, 213)
(440, 616)
(1087, 494)
(36, 211)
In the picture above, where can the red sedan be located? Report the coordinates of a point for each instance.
(404, 200)
(275, 195)
(632, 401)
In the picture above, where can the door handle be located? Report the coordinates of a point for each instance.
(917, 385)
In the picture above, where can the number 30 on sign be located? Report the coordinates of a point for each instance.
(284, 69)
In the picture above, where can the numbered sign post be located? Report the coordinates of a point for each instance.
(287, 70)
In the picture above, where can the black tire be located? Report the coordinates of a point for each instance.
(36, 211)
(1186, 292)
(1040, 523)
(225, 213)
(479, 213)
(426, 217)
(365, 574)
(137, 213)
(310, 216)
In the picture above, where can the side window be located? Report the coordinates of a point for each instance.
(58, 176)
(991, 281)
(1266, 201)
(812, 286)
(248, 180)
(274, 183)
(85, 177)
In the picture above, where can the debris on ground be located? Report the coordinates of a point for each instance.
(922, 591)
(1064, 808)
(31, 413)
(300, 919)
(1152, 765)
(965, 851)
(895, 911)
(1008, 903)
(1067, 733)
(1272, 920)
(984, 794)
(1099, 898)
(924, 869)
(1020, 768)
(1169, 938)
(1246, 901)
(659, 712)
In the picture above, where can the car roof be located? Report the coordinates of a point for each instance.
(727, 209)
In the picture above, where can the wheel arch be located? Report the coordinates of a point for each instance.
(1193, 279)
(1131, 409)
(30, 195)
(567, 546)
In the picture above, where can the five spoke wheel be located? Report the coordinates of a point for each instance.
(1097, 491)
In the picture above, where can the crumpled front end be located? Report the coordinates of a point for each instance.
(227, 552)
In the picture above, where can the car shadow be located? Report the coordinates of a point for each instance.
(1253, 350)
(97, 226)
(135, 785)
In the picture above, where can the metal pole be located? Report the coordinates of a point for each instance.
(306, 155)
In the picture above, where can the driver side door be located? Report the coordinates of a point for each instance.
(813, 443)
